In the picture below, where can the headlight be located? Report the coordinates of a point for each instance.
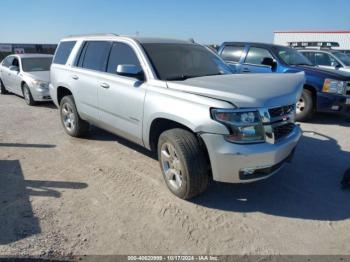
(244, 126)
(333, 86)
(41, 84)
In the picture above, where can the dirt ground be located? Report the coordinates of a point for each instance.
(104, 195)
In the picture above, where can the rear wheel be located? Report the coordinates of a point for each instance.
(305, 106)
(71, 121)
(28, 98)
(3, 90)
(183, 162)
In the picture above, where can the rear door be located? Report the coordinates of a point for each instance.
(121, 98)
(232, 55)
(87, 75)
(253, 60)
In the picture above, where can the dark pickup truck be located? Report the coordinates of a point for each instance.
(325, 90)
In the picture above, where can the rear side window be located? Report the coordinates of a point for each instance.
(63, 51)
(121, 54)
(310, 56)
(256, 55)
(232, 53)
(94, 55)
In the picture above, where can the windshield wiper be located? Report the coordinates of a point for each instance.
(301, 64)
(181, 77)
(184, 77)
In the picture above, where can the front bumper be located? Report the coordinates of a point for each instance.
(333, 103)
(40, 94)
(234, 163)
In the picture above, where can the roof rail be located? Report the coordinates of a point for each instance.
(99, 34)
(313, 44)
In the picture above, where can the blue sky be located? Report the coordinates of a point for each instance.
(46, 21)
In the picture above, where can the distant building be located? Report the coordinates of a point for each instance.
(341, 37)
(8, 48)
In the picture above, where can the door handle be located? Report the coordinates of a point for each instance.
(104, 85)
(75, 77)
(245, 70)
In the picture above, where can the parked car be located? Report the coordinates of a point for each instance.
(328, 58)
(26, 75)
(325, 90)
(179, 99)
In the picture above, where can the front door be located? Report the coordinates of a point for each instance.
(253, 61)
(121, 98)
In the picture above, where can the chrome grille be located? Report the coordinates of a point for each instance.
(283, 130)
(281, 111)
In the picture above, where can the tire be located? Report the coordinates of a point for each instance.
(305, 106)
(3, 90)
(70, 119)
(28, 98)
(183, 162)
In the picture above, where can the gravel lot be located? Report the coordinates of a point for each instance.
(104, 195)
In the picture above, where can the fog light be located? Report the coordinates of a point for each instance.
(335, 108)
(248, 171)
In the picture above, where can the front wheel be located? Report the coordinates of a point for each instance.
(183, 162)
(71, 121)
(28, 98)
(305, 106)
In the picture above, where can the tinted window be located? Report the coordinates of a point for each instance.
(34, 64)
(182, 61)
(7, 61)
(343, 57)
(324, 59)
(256, 55)
(96, 54)
(121, 54)
(290, 56)
(232, 53)
(310, 56)
(63, 51)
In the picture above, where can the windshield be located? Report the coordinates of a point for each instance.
(33, 64)
(343, 57)
(291, 56)
(183, 61)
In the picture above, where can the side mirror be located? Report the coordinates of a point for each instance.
(268, 61)
(337, 65)
(130, 71)
(14, 68)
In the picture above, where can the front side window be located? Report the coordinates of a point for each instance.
(182, 61)
(95, 55)
(121, 54)
(63, 51)
(34, 64)
(256, 55)
(343, 57)
(8, 61)
(324, 59)
(291, 57)
(232, 53)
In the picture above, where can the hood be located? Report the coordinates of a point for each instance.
(39, 75)
(246, 90)
(323, 72)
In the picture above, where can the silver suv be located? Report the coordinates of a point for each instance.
(181, 100)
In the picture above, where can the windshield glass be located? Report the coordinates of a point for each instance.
(291, 56)
(33, 64)
(183, 61)
(343, 57)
